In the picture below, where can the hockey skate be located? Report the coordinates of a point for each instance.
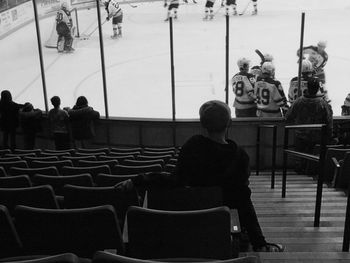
(166, 19)
(69, 50)
(255, 12)
(234, 12)
(205, 18)
(114, 36)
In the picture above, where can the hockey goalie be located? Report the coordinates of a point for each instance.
(63, 27)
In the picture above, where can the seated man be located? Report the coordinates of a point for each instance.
(213, 160)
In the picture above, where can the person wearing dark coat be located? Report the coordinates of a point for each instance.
(8, 119)
(30, 120)
(82, 118)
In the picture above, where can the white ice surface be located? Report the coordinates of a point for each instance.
(138, 65)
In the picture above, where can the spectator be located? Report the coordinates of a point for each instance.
(345, 109)
(309, 109)
(59, 125)
(30, 120)
(82, 117)
(214, 160)
(8, 119)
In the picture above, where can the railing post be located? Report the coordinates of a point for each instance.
(258, 151)
(346, 235)
(301, 52)
(172, 68)
(320, 176)
(227, 56)
(274, 145)
(285, 159)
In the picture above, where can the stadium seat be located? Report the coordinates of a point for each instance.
(81, 196)
(21, 151)
(158, 153)
(58, 182)
(10, 159)
(2, 172)
(80, 231)
(60, 258)
(30, 159)
(49, 170)
(106, 257)
(142, 162)
(110, 163)
(166, 158)
(22, 155)
(80, 154)
(57, 164)
(92, 170)
(37, 196)
(8, 165)
(10, 243)
(126, 150)
(156, 234)
(71, 151)
(18, 181)
(112, 179)
(184, 198)
(4, 151)
(128, 169)
(57, 154)
(119, 158)
(92, 151)
(75, 159)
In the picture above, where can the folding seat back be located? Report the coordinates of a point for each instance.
(143, 162)
(18, 181)
(158, 153)
(30, 159)
(10, 243)
(118, 158)
(8, 165)
(110, 163)
(92, 170)
(71, 151)
(10, 159)
(3, 172)
(166, 157)
(128, 169)
(75, 159)
(96, 150)
(81, 196)
(184, 198)
(58, 182)
(112, 179)
(38, 196)
(79, 231)
(60, 258)
(57, 154)
(57, 164)
(156, 234)
(50, 170)
(23, 151)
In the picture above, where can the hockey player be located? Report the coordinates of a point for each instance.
(172, 8)
(255, 6)
(230, 3)
(319, 57)
(115, 12)
(243, 87)
(63, 27)
(269, 93)
(208, 11)
(256, 70)
(307, 73)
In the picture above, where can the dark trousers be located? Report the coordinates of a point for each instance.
(5, 139)
(251, 112)
(62, 141)
(29, 141)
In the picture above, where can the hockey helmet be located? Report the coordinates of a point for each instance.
(64, 5)
(268, 57)
(306, 66)
(268, 68)
(243, 63)
(322, 44)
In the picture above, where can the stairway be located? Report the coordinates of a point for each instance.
(289, 220)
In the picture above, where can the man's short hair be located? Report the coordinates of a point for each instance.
(215, 115)
(313, 85)
(56, 101)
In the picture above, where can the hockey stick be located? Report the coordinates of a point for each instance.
(245, 9)
(133, 6)
(85, 37)
(257, 51)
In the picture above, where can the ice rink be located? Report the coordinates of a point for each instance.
(138, 64)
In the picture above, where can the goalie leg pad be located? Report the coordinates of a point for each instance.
(68, 43)
(60, 43)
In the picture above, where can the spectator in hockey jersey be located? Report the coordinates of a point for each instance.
(9, 120)
(30, 120)
(243, 87)
(269, 93)
(59, 125)
(82, 118)
(306, 73)
(310, 109)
